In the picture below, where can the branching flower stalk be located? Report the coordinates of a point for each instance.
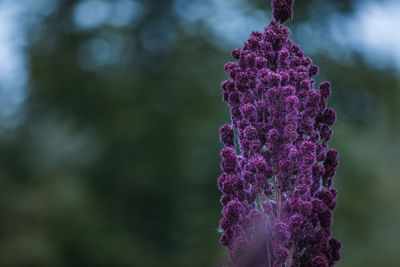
(277, 191)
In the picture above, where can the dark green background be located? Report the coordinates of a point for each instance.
(116, 159)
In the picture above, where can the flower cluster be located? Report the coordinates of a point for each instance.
(277, 192)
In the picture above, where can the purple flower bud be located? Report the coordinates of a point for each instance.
(325, 218)
(282, 10)
(273, 136)
(283, 58)
(221, 180)
(326, 133)
(313, 70)
(305, 208)
(295, 222)
(273, 79)
(226, 239)
(261, 62)
(231, 185)
(332, 206)
(317, 171)
(318, 205)
(307, 152)
(335, 246)
(280, 231)
(228, 86)
(313, 104)
(253, 43)
(318, 261)
(330, 171)
(232, 69)
(331, 158)
(281, 254)
(236, 53)
(307, 148)
(241, 81)
(225, 199)
(233, 210)
(289, 91)
(329, 116)
(229, 162)
(258, 163)
(291, 103)
(227, 135)
(301, 191)
(225, 224)
(250, 59)
(234, 99)
(228, 153)
(325, 89)
(326, 196)
(334, 192)
(285, 77)
(249, 112)
(250, 133)
(306, 62)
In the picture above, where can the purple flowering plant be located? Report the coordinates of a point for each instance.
(277, 190)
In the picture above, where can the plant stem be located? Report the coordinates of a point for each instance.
(269, 254)
(290, 259)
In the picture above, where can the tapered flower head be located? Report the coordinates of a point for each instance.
(278, 198)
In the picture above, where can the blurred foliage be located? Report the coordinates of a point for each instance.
(116, 161)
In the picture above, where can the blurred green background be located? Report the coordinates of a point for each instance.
(109, 116)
